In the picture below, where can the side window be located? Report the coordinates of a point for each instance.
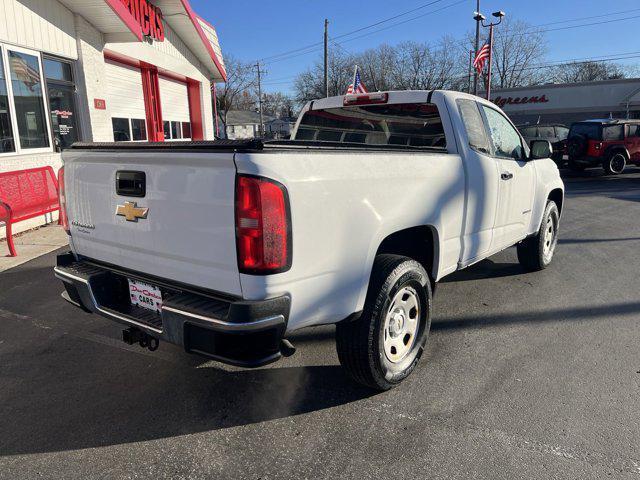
(530, 132)
(474, 125)
(506, 140)
(562, 133)
(613, 133)
(633, 131)
(546, 132)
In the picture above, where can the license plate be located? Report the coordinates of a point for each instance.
(145, 295)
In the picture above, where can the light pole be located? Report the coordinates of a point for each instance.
(478, 18)
(499, 15)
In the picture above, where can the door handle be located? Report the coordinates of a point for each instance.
(506, 175)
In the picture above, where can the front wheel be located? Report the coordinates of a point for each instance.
(383, 346)
(535, 253)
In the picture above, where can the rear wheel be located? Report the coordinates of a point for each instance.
(383, 346)
(615, 163)
(535, 253)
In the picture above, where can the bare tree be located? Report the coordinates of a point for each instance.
(237, 91)
(575, 72)
(309, 84)
(409, 65)
(277, 104)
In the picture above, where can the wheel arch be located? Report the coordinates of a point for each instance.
(419, 243)
(617, 149)
(557, 196)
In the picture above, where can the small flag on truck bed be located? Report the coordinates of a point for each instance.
(357, 86)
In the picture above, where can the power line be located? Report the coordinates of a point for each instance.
(356, 30)
(402, 22)
(306, 50)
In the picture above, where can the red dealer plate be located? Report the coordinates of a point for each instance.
(145, 295)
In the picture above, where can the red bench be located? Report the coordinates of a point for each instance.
(25, 194)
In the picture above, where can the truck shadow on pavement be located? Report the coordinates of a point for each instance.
(67, 381)
(85, 399)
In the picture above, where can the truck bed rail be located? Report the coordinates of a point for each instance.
(249, 145)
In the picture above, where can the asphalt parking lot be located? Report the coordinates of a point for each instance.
(526, 376)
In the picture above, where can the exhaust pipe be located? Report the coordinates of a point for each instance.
(133, 335)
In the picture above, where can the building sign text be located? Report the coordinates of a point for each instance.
(148, 16)
(501, 101)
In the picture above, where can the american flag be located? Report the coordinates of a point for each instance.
(357, 86)
(481, 58)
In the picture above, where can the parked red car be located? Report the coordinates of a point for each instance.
(609, 143)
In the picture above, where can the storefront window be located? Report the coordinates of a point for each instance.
(62, 104)
(121, 129)
(28, 98)
(167, 130)
(6, 132)
(186, 129)
(57, 70)
(138, 129)
(175, 130)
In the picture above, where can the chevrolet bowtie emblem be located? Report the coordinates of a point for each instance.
(131, 212)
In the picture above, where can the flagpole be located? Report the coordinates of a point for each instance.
(490, 61)
(355, 74)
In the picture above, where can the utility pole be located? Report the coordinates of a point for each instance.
(477, 46)
(470, 71)
(260, 101)
(326, 57)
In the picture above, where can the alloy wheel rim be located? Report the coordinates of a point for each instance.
(401, 324)
(549, 237)
(617, 164)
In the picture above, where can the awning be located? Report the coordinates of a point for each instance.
(115, 21)
(110, 17)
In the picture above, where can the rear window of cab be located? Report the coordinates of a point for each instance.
(410, 124)
(591, 131)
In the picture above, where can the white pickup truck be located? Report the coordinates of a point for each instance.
(225, 247)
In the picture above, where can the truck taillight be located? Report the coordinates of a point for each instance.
(62, 199)
(263, 226)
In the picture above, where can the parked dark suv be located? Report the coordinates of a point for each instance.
(608, 143)
(555, 133)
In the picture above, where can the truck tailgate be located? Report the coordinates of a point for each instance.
(188, 234)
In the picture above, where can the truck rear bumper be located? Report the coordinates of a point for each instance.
(233, 331)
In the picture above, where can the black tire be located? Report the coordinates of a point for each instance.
(361, 343)
(575, 167)
(615, 163)
(532, 254)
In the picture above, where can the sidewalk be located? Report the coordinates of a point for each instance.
(32, 244)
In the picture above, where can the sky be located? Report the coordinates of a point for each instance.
(251, 30)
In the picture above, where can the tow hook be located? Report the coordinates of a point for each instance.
(134, 335)
(286, 348)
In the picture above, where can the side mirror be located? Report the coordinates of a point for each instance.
(540, 149)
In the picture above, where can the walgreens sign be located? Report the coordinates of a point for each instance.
(501, 101)
(148, 16)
